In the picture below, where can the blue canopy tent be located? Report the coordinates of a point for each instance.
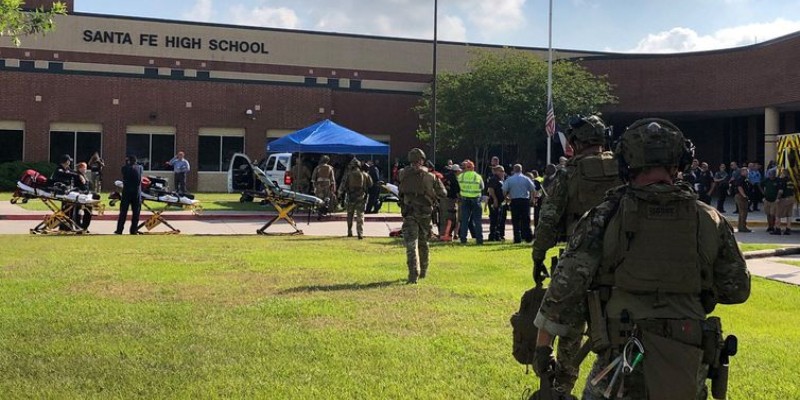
(329, 138)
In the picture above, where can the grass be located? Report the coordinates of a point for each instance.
(745, 247)
(298, 318)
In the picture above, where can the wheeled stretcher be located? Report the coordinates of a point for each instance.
(157, 199)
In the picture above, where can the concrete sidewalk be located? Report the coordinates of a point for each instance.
(773, 268)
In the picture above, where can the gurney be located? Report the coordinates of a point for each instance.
(284, 202)
(33, 185)
(157, 199)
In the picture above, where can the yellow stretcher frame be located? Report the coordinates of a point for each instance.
(59, 216)
(285, 209)
(788, 153)
(157, 217)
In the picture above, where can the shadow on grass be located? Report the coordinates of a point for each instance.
(342, 286)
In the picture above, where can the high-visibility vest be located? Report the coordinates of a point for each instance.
(470, 183)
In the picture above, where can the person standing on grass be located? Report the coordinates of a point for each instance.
(786, 202)
(519, 188)
(770, 186)
(471, 185)
(497, 204)
(418, 190)
(721, 185)
(652, 262)
(181, 167)
(355, 184)
(131, 195)
(742, 188)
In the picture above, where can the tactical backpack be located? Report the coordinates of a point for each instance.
(588, 180)
(355, 181)
(523, 329)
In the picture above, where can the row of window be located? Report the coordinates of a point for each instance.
(153, 150)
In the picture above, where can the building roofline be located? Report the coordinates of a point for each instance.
(589, 53)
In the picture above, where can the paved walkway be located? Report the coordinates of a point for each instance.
(773, 268)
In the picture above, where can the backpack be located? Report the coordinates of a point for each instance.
(33, 179)
(588, 180)
(523, 329)
(355, 181)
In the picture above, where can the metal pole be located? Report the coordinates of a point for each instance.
(433, 88)
(550, 76)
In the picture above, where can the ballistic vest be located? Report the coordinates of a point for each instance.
(659, 243)
(470, 183)
(588, 179)
(416, 188)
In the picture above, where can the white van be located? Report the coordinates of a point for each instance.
(277, 167)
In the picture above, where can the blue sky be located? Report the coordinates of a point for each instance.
(647, 26)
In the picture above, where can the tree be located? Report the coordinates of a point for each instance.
(502, 100)
(14, 22)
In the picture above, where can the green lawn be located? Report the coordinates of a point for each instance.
(298, 318)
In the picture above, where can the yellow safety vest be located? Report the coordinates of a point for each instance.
(470, 183)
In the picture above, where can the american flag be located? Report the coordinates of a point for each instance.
(550, 121)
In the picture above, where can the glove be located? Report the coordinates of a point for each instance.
(543, 360)
(539, 272)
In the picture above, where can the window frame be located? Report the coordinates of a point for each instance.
(221, 137)
(150, 147)
(22, 149)
(74, 152)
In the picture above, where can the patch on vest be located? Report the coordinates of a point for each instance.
(662, 212)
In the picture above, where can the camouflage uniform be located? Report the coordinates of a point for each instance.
(559, 214)
(418, 191)
(301, 178)
(356, 197)
(324, 180)
(591, 248)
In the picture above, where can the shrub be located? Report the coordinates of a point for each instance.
(11, 171)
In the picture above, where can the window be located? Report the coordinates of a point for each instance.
(283, 163)
(11, 141)
(215, 152)
(79, 145)
(153, 150)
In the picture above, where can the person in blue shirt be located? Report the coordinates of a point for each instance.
(756, 194)
(518, 188)
(181, 167)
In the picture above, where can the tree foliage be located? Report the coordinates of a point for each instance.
(502, 101)
(15, 23)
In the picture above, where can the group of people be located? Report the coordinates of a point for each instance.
(326, 177)
(654, 258)
(750, 188)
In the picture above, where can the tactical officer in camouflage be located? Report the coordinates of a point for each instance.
(651, 262)
(353, 189)
(575, 189)
(418, 191)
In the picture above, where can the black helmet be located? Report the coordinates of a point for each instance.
(64, 158)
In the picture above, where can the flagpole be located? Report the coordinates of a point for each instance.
(433, 88)
(550, 76)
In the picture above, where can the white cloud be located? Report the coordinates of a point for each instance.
(200, 12)
(280, 17)
(452, 28)
(685, 39)
(462, 20)
(493, 16)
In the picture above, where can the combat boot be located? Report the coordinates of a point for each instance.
(349, 233)
(422, 273)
